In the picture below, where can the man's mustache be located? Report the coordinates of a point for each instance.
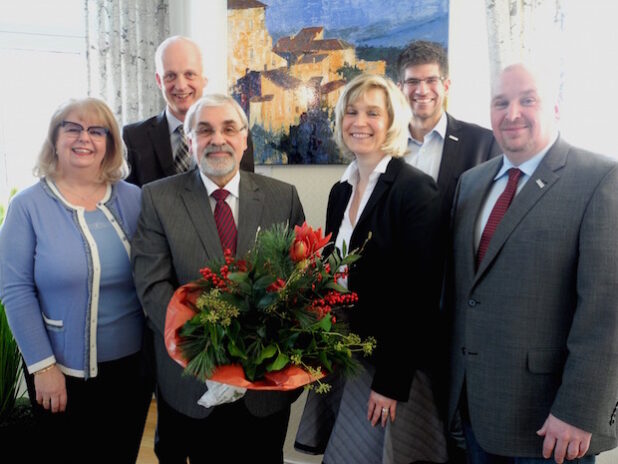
(218, 148)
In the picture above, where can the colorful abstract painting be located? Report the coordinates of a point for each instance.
(288, 61)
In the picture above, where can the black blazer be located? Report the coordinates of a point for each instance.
(398, 276)
(465, 146)
(149, 151)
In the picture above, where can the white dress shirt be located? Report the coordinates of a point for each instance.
(427, 155)
(351, 176)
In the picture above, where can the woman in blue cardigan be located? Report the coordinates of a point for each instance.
(66, 283)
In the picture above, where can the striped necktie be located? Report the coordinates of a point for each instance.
(182, 158)
(224, 219)
(497, 213)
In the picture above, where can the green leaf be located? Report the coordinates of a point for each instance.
(325, 323)
(267, 300)
(350, 259)
(263, 282)
(249, 372)
(235, 351)
(325, 362)
(335, 286)
(267, 352)
(239, 277)
(279, 363)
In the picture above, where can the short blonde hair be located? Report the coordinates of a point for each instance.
(397, 107)
(113, 166)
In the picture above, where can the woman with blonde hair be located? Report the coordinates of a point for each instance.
(66, 283)
(386, 413)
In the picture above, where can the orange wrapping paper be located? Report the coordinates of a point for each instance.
(179, 311)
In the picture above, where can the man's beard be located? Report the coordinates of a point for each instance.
(217, 167)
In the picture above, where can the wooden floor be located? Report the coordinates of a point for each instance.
(146, 452)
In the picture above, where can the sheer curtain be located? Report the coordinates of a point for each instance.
(523, 30)
(579, 39)
(122, 37)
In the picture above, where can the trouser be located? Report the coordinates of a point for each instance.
(230, 434)
(104, 418)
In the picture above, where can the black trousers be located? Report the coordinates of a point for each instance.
(104, 419)
(230, 434)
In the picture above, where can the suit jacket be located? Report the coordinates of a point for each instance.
(176, 236)
(536, 326)
(398, 276)
(465, 146)
(149, 151)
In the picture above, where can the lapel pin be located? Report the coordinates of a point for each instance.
(540, 183)
(452, 137)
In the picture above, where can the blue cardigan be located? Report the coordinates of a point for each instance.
(50, 271)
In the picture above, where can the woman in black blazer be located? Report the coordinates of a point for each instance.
(386, 414)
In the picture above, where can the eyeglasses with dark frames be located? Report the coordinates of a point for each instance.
(431, 81)
(73, 129)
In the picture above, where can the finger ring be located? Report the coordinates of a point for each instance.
(384, 410)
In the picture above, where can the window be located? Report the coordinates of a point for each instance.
(43, 56)
(590, 93)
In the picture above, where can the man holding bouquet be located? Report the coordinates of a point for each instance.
(186, 221)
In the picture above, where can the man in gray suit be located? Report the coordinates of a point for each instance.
(534, 288)
(178, 233)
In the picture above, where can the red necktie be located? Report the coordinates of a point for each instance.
(225, 221)
(497, 213)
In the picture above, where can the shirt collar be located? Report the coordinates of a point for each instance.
(232, 186)
(350, 175)
(439, 129)
(172, 121)
(527, 167)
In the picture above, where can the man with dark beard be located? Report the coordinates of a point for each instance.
(186, 221)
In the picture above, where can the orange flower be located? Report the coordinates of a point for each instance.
(307, 242)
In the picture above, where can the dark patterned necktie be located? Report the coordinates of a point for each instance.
(497, 213)
(182, 158)
(225, 221)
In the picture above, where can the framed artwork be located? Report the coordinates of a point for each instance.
(288, 61)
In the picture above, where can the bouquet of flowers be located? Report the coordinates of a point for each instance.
(267, 321)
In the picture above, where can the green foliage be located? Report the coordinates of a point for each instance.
(2, 208)
(10, 357)
(10, 368)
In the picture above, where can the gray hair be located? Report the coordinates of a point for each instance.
(212, 100)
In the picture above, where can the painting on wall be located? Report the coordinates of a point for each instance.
(288, 61)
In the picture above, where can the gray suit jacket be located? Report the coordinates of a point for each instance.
(536, 326)
(176, 236)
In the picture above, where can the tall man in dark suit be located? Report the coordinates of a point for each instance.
(534, 288)
(440, 145)
(444, 148)
(156, 147)
(177, 235)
